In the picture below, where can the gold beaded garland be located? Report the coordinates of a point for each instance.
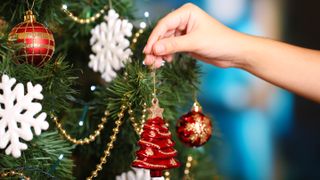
(92, 137)
(12, 173)
(167, 175)
(84, 20)
(187, 168)
(136, 37)
(138, 128)
(109, 146)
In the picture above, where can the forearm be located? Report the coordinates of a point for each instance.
(293, 68)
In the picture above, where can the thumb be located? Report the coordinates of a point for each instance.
(171, 45)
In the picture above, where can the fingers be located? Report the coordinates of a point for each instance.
(168, 58)
(165, 48)
(153, 61)
(149, 60)
(172, 45)
(177, 19)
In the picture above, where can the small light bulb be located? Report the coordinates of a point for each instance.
(146, 14)
(93, 87)
(143, 25)
(64, 7)
(80, 123)
(61, 156)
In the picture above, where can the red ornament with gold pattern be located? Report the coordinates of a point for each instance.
(156, 146)
(194, 128)
(38, 41)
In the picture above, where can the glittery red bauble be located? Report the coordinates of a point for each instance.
(194, 128)
(38, 42)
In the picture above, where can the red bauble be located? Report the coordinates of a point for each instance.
(194, 128)
(156, 147)
(37, 39)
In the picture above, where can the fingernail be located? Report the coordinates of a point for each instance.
(144, 49)
(143, 62)
(159, 49)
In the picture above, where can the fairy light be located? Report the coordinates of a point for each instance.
(56, 164)
(143, 25)
(61, 157)
(64, 7)
(93, 88)
(146, 14)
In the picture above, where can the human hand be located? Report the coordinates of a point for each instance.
(189, 29)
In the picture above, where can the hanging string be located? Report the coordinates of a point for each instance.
(195, 99)
(153, 74)
(28, 5)
(154, 82)
(110, 4)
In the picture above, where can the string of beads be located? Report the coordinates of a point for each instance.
(91, 138)
(113, 137)
(12, 173)
(138, 127)
(84, 20)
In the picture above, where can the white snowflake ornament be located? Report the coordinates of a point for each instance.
(18, 113)
(135, 174)
(110, 46)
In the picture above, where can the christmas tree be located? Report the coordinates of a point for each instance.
(95, 109)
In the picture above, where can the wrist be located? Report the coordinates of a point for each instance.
(245, 53)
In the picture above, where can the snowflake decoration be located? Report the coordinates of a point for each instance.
(110, 46)
(135, 174)
(18, 113)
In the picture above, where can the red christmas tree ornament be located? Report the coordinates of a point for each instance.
(37, 39)
(194, 128)
(156, 146)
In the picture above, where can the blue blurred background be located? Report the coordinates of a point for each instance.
(266, 132)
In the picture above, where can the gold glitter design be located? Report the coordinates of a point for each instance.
(149, 152)
(200, 128)
(168, 153)
(157, 130)
(38, 35)
(173, 162)
(151, 165)
(150, 143)
(152, 134)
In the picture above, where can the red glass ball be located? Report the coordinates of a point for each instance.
(194, 129)
(38, 42)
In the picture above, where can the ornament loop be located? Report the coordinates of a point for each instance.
(196, 107)
(155, 101)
